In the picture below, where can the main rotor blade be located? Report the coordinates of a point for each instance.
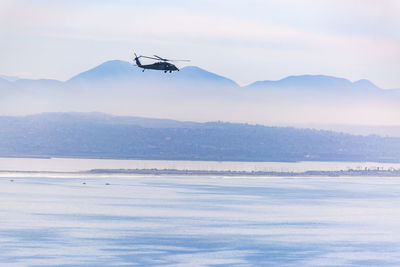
(186, 60)
(160, 58)
(164, 59)
(151, 57)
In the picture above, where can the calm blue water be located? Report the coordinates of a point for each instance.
(199, 221)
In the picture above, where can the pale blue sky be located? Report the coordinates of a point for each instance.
(243, 40)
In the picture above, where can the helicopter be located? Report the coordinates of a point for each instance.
(162, 64)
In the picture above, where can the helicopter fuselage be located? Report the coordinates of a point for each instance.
(165, 66)
(160, 66)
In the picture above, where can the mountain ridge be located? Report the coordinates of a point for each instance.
(118, 68)
(9, 78)
(313, 81)
(96, 135)
(118, 87)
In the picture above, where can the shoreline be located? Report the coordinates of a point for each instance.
(341, 173)
(202, 173)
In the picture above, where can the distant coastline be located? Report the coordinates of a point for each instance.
(205, 173)
(350, 172)
(102, 136)
(103, 167)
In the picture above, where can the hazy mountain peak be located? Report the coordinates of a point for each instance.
(308, 80)
(117, 69)
(197, 73)
(316, 82)
(4, 83)
(366, 85)
(9, 78)
(107, 69)
(38, 82)
(364, 81)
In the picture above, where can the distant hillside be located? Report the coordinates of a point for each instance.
(4, 83)
(96, 135)
(118, 87)
(309, 81)
(9, 78)
(319, 85)
(114, 69)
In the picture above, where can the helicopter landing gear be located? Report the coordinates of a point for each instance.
(165, 71)
(170, 71)
(142, 70)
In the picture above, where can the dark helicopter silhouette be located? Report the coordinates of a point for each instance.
(162, 64)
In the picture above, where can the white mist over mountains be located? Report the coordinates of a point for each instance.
(193, 94)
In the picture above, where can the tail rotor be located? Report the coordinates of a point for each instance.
(136, 59)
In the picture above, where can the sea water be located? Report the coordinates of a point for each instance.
(199, 221)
